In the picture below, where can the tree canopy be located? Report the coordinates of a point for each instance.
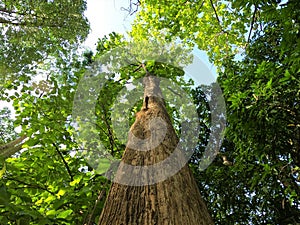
(31, 31)
(254, 179)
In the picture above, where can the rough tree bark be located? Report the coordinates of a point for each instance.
(172, 201)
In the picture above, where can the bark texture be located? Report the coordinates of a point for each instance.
(170, 196)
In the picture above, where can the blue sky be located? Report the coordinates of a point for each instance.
(106, 16)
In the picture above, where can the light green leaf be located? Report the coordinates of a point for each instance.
(65, 214)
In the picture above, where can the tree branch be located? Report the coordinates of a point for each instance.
(16, 13)
(170, 89)
(216, 14)
(90, 216)
(12, 147)
(10, 151)
(131, 6)
(33, 22)
(145, 69)
(64, 161)
(12, 143)
(252, 23)
(109, 130)
(36, 186)
(137, 69)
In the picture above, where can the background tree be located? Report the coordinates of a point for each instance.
(31, 31)
(7, 128)
(41, 37)
(69, 192)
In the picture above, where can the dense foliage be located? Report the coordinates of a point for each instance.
(31, 31)
(255, 46)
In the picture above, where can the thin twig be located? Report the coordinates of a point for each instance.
(216, 14)
(174, 92)
(252, 23)
(139, 67)
(201, 5)
(100, 196)
(109, 130)
(64, 161)
(36, 186)
(145, 69)
(130, 8)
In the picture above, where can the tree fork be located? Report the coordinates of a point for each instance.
(175, 200)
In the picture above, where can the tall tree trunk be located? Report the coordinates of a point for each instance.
(150, 189)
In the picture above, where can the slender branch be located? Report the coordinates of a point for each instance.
(252, 23)
(100, 196)
(64, 161)
(216, 14)
(34, 22)
(98, 126)
(174, 92)
(36, 186)
(145, 69)
(201, 5)
(137, 69)
(28, 23)
(131, 5)
(6, 12)
(109, 130)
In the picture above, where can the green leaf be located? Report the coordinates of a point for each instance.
(64, 214)
(103, 166)
(76, 180)
(51, 212)
(2, 171)
(5, 196)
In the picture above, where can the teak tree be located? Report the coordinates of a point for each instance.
(140, 195)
